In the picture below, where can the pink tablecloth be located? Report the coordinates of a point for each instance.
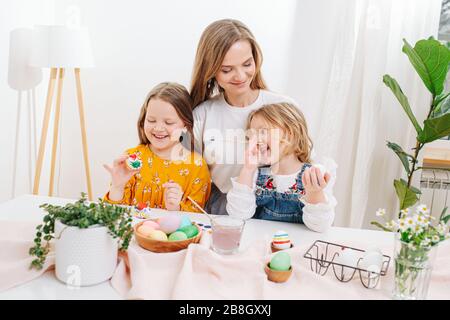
(199, 273)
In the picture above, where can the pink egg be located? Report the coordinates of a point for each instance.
(145, 230)
(151, 224)
(169, 224)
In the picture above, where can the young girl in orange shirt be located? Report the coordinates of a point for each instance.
(170, 172)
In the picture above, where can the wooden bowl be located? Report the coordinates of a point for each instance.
(277, 276)
(277, 249)
(164, 246)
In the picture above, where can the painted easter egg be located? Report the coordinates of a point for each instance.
(169, 223)
(281, 261)
(151, 224)
(177, 236)
(157, 235)
(145, 230)
(185, 221)
(190, 231)
(281, 240)
(134, 162)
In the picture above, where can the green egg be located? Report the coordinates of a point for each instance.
(281, 261)
(190, 231)
(177, 236)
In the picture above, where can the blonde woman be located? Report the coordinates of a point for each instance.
(226, 86)
(289, 188)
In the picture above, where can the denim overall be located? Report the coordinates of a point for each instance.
(277, 206)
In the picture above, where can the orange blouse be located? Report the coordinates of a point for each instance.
(191, 173)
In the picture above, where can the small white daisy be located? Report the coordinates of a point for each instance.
(435, 239)
(380, 212)
(418, 229)
(441, 228)
(402, 225)
(404, 212)
(410, 223)
(422, 208)
(391, 225)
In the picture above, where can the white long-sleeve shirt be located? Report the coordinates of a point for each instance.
(221, 128)
(241, 200)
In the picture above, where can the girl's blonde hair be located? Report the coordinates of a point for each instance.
(178, 96)
(214, 43)
(291, 121)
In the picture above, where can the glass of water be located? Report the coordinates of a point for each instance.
(226, 234)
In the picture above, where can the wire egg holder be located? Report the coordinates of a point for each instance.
(324, 253)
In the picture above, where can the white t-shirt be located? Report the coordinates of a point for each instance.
(221, 128)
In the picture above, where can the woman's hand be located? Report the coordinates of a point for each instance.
(314, 182)
(120, 173)
(173, 193)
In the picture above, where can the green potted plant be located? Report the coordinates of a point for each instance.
(416, 237)
(86, 237)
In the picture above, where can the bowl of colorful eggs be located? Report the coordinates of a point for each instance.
(167, 234)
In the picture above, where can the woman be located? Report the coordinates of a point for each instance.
(226, 86)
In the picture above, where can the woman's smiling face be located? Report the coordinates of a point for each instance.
(162, 125)
(237, 69)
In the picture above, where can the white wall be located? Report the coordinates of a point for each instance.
(136, 44)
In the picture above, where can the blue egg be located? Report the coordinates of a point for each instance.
(185, 221)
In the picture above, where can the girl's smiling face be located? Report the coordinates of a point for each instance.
(162, 126)
(270, 140)
(237, 69)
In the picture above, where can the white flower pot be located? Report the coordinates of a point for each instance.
(84, 257)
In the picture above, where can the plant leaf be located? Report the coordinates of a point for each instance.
(446, 218)
(406, 196)
(442, 216)
(430, 58)
(442, 106)
(403, 156)
(392, 84)
(435, 128)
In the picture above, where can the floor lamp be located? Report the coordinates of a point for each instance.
(23, 79)
(60, 48)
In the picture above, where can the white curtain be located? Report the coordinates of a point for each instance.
(341, 50)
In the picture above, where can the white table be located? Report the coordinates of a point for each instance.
(26, 208)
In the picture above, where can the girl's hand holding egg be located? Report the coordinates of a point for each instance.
(172, 195)
(314, 181)
(120, 173)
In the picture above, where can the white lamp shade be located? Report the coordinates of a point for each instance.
(61, 47)
(20, 75)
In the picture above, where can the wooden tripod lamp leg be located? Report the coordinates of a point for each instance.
(56, 129)
(48, 106)
(83, 131)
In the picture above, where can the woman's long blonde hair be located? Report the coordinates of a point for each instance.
(214, 43)
(290, 120)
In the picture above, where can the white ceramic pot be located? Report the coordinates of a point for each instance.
(84, 257)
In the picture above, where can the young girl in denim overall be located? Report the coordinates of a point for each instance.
(278, 181)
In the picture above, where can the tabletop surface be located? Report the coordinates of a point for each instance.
(26, 208)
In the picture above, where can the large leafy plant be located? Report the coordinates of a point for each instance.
(431, 60)
(81, 214)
